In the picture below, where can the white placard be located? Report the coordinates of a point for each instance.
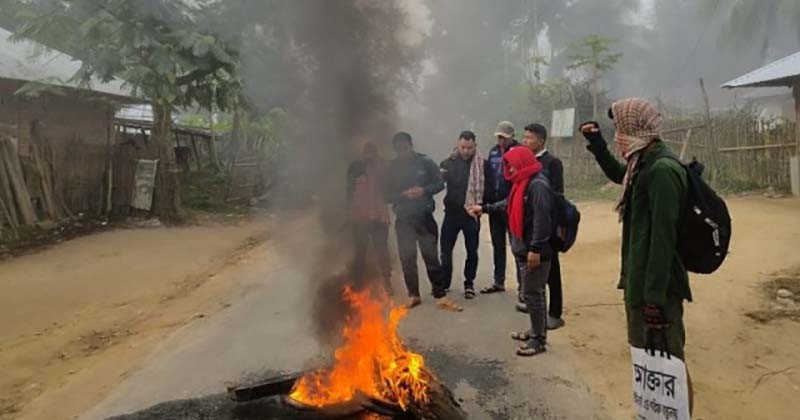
(660, 387)
(563, 123)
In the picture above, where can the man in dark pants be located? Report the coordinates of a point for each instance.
(654, 193)
(463, 175)
(535, 138)
(529, 207)
(369, 214)
(497, 188)
(411, 182)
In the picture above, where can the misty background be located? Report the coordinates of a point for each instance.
(352, 70)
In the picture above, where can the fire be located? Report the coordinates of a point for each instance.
(372, 361)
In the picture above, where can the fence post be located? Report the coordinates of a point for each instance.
(794, 161)
(712, 144)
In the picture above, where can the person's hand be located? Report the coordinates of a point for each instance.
(534, 260)
(476, 211)
(654, 318)
(414, 193)
(590, 127)
(591, 132)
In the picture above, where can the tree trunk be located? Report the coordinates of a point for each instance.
(594, 97)
(167, 193)
(236, 135)
(212, 146)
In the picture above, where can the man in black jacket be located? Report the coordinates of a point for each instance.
(412, 181)
(496, 190)
(463, 175)
(535, 138)
(530, 207)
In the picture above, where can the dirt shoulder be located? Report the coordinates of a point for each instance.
(83, 312)
(743, 368)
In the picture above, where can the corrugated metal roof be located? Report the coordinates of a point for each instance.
(778, 73)
(23, 61)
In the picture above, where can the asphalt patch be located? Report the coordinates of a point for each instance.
(482, 386)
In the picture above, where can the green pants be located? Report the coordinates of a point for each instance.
(673, 337)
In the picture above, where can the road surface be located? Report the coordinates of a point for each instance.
(267, 330)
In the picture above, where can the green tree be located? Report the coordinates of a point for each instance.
(156, 48)
(593, 53)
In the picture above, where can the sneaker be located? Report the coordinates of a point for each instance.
(448, 305)
(554, 323)
(413, 302)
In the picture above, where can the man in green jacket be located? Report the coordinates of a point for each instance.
(654, 193)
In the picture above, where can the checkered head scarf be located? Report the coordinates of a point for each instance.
(638, 125)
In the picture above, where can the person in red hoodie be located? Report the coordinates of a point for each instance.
(530, 210)
(369, 213)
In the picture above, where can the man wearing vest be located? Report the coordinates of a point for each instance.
(535, 138)
(496, 190)
(655, 189)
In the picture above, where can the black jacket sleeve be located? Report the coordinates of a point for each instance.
(557, 176)
(497, 207)
(434, 183)
(444, 169)
(391, 192)
(542, 228)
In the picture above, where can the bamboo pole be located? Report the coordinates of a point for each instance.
(758, 147)
(682, 129)
(19, 189)
(685, 144)
(711, 141)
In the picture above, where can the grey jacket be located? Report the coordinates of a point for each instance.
(415, 171)
(539, 218)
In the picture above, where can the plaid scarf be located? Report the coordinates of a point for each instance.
(475, 184)
(638, 125)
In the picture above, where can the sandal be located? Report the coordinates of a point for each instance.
(521, 335)
(448, 305)
(531, 348)
(493, 289)
(469, 294)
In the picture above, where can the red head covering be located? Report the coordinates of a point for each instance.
(525, 167)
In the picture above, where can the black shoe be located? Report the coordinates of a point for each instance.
(521, 307)
(554, 323)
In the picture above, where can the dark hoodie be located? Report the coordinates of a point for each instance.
(497, 188)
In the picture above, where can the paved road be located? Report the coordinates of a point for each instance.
(266, 330)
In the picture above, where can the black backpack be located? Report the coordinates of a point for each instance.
(705, 231)
(567, 220)
(566, 217)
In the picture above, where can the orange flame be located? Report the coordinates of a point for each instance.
(372, 361)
